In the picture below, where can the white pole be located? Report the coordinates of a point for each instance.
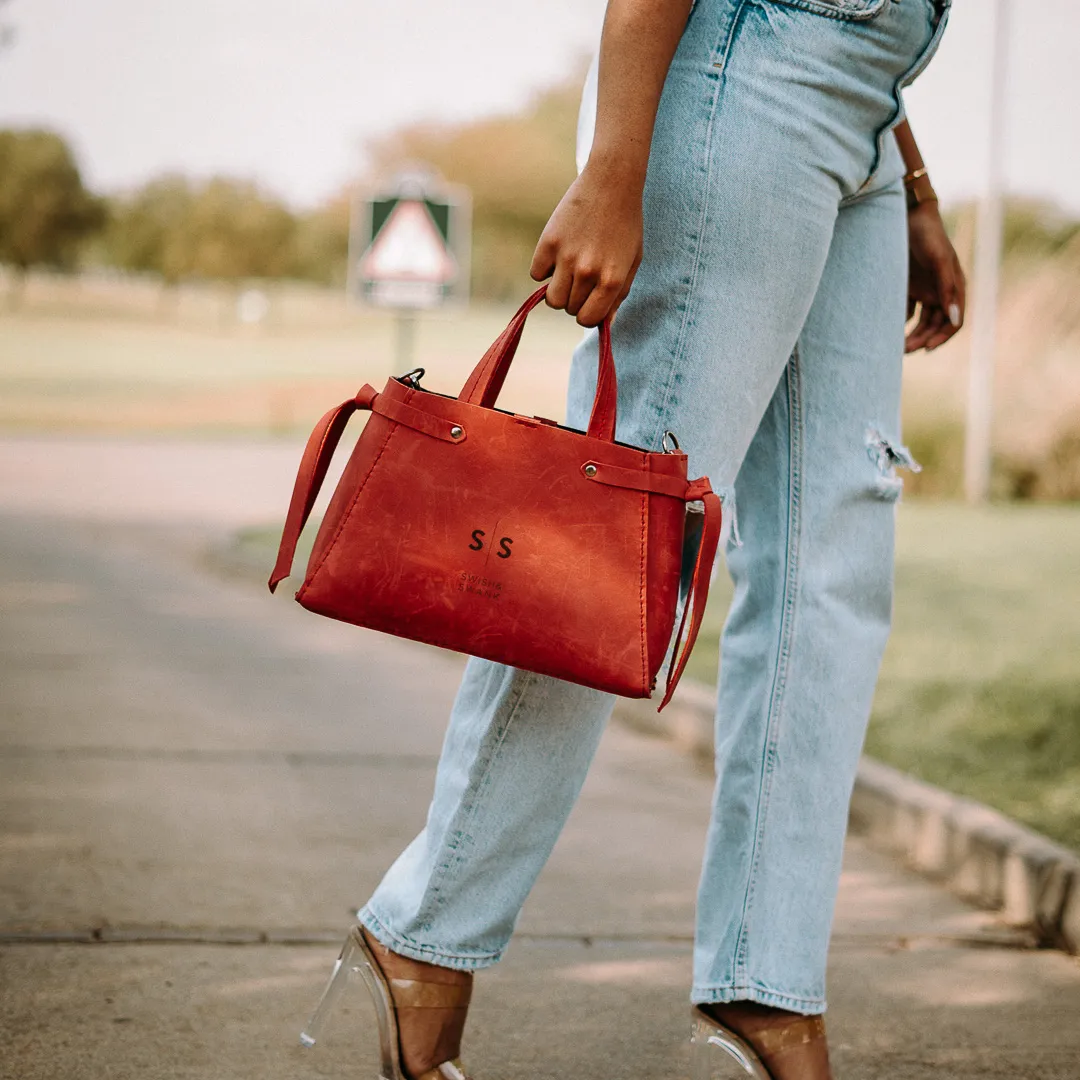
(988, 230)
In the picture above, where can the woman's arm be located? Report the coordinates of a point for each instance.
(591, 246)
(935, 279)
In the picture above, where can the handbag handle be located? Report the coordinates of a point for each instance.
(314, 464)
(486, 381)
(698, 596)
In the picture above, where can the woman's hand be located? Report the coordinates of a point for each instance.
(591, 246)
(935, 280)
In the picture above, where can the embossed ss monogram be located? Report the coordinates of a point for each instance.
(505, 542)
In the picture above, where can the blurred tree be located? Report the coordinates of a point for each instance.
(224, 229)
(517, 167)
(44, 209)
(149, 231)
(322, 242)
(237, 232)
(1034, 229)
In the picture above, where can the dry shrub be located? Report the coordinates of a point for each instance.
(1037, 381)
(939, 449)
(1058, 476)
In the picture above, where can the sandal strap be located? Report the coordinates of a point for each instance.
(448, 1070)
(771, 1041)
(414, 994)
(452, 1070)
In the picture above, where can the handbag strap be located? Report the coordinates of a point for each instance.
(320, 449)
(699, 586)
(486, 381)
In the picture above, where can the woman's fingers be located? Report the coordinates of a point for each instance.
(941, 314)
(590, 245)
(945, 315)
(948, 290)
(958, 301)
(589, 294)
(930, 319)
(936, 280)
(562, 281)
(543, 260)
(601, 302)
(585, 280)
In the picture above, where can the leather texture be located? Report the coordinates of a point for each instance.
(505, 536)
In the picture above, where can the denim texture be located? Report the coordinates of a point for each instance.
(765, 328)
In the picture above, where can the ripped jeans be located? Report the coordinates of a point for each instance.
(765, 328)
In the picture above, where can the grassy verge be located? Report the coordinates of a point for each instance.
(980, 685)
(100, 374)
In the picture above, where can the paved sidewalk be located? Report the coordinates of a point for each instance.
(197, 781)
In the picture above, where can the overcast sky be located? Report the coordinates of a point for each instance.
(286, 93)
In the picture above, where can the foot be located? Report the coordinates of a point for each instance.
(791, 1046)
(429, 1033)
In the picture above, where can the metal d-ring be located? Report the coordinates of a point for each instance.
(414, 377)
(674, 448)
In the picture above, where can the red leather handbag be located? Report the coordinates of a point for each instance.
(504, 536)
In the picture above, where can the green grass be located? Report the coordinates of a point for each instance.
(980, 685)
(96, 369)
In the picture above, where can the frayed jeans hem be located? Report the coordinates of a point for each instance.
(721, 995)
(416, 950)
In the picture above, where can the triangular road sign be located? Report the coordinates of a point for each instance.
(409, 247)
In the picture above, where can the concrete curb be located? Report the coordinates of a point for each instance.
(978, 853)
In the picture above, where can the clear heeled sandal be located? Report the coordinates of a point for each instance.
(388, 995)
(718, 1053)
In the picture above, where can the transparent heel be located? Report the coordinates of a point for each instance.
(717, 1053)
(348, 964)
(357, 958)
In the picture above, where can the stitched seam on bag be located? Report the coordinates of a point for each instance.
(348, 513)
(644, 590)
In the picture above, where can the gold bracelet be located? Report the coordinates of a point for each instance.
(918, 188)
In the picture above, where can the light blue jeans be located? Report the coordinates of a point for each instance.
(765, 328)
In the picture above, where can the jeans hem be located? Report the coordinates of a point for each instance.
(415, 950)
(721, 995)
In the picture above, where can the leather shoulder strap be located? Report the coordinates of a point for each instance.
(313, 466)
(699, 587)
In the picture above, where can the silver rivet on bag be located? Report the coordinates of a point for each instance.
(590, 470)
(456, 432)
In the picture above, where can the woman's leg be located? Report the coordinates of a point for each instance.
(515, 756)
(752, 157)
(808, 624)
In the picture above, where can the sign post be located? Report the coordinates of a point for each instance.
(409, 250)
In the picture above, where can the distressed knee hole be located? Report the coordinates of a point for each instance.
(729, 532)
(888, 456)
